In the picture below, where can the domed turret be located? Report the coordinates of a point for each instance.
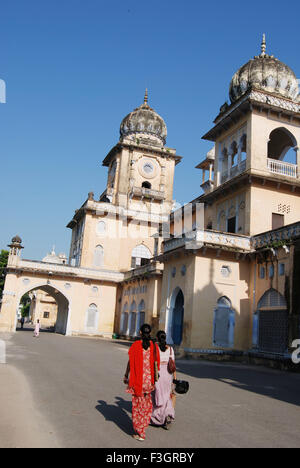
(266, 73)
(144, 120)
(16, 240)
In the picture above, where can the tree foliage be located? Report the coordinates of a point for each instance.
(25, 303)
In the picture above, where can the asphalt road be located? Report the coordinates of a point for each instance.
(76, 387)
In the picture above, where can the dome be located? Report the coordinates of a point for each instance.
(16, 240)
(53, 258)
(266, 73)
(144, 120)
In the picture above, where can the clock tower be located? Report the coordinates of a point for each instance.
(140, 166)
(119, 231)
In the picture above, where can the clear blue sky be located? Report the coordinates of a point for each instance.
(75, 68)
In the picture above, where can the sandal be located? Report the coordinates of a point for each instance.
(137, 437)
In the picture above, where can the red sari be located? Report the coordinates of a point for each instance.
(142, 384)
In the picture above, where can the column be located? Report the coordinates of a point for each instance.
(220, 167)
(240, 155)
(298, 161)
(210, 171)
(229, 164)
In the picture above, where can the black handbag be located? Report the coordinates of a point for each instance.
(181, 386)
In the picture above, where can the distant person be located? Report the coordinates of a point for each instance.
(22, 321)
(37, 329)
(163, 399)
(140, 377)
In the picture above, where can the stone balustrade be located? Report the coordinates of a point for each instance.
(67, 270)
(199, 238)
(148, 193)
(272, 238)
(152, 267)
(282, 168)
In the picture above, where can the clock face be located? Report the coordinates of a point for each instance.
(148, 168)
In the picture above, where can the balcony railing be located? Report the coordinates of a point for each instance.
(199, 238)
(234, 171)
(67, 270)
(153, 267)
(282, 168)
(148, 193)
(278, 236)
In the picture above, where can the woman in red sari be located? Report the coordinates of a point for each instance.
(140, 370)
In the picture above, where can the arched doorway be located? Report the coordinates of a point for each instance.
(124, 320)
(132, 320)
(270, 323)
(61, 324)
(224, 323)
(282, 146)
(176, 316)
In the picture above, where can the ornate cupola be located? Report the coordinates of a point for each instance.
(144, 121)
(265, 73)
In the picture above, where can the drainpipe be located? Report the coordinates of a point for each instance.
(254, 317)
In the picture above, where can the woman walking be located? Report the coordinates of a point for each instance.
(163, 410)
(143, 355)
(37, 329)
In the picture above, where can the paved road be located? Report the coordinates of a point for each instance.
(76, 385)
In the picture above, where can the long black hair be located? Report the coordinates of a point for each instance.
(162, 340)
(146, 335)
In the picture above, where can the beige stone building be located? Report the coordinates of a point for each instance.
(220, 274)
(43, 307)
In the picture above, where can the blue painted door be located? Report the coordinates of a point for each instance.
(178, 313)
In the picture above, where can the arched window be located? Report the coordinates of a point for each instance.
(222, 221)
(92, 319)
(99, 256)
(124, 320)
(270, 323)
(233, 152)
(146, 185)
(224, 161)
(243, 147)
(282, 146)
(132, 319)
(141, 255)
(224, 324)
(141, 316)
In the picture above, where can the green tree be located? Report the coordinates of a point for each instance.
(3, 265)
(25, 303)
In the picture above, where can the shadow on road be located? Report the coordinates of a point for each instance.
(31, 329)
(279, 385)
(117, 413)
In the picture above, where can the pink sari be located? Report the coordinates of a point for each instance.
(37, 330)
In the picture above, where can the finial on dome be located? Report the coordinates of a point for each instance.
(146, 97)
(263, 46)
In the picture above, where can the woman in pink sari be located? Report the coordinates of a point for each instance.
(163, 413)
(37, 329)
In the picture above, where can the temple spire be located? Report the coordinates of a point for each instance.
(146, 97)
(263, 46)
